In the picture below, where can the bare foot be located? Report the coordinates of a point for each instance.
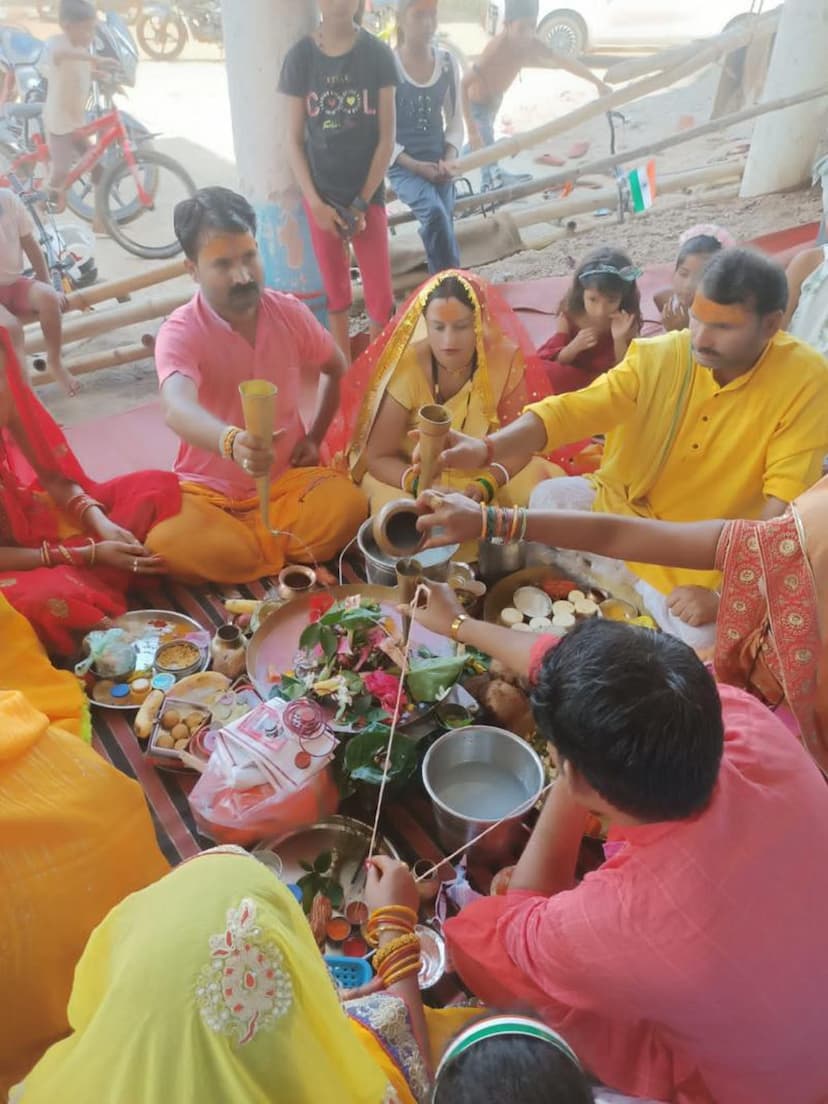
(65, 378)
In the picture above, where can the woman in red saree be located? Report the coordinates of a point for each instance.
(69, 547)
(772, 623)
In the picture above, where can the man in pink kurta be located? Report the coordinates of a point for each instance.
(691, 966)
(233, 330)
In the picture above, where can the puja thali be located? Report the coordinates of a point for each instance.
(347, 842)
(274, 645)
(147, 631)
(548, 599)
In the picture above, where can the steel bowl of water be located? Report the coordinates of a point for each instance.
(477, 776)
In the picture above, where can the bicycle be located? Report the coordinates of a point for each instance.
(128, 188)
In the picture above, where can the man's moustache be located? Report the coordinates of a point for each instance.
(244, 290)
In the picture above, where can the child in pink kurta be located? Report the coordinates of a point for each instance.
(691, 966)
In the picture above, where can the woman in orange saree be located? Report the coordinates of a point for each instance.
(772, 623)
(69, 547)
(455, 342)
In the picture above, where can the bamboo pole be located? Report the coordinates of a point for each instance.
(638, 154)
(634, 68)
(541, 234)
(112, 358)
(101, 322)
(508, 147)
(713, 175)
(554, 210)
(84, 298)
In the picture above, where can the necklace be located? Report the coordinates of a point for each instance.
(435, 375)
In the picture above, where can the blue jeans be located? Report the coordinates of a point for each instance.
(433, 204)
(484, 116)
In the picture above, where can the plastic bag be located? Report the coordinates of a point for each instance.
(261, 781)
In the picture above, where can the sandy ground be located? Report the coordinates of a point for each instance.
(186, 102)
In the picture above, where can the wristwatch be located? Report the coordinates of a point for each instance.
(456, 625)
(360, 205)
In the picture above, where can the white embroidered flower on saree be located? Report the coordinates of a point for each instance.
(245, 988)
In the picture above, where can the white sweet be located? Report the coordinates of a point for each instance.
(563, 620)
(521, 626)
(576, 596)
(510, 616)
(562, 607)
(586, 608)
(540, 624)
(532, 601)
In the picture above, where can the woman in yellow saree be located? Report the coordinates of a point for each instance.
(457, 343)
(75, 838)
(208, 987)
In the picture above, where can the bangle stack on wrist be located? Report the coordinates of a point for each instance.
(499, 525)
(227, 440)
(391, 918)
(77, 507)
(54, 554)
(398, 959)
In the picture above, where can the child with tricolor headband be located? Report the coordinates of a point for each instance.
(510, 1058)
(598, 318)
(697, 246)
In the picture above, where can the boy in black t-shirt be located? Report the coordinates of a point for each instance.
(341, 82)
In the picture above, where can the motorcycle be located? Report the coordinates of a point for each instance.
(164, 29)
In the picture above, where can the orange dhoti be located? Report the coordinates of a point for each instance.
(221, 540)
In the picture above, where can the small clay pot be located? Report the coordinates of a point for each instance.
(395, 529)
(295, 580)
(429, 886)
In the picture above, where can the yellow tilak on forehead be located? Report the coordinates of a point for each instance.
(223, 245)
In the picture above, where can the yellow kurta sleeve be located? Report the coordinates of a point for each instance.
(797, 447)
(607, 403)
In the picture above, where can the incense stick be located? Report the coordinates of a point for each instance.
(421, 589)
(476, 839)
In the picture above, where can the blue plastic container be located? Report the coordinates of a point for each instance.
(349, 973)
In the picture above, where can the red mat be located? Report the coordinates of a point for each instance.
(139, 438)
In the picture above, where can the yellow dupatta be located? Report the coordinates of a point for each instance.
(500, 366)
(24, 666)
(208, 988)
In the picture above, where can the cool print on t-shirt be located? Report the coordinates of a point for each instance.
(341, 97)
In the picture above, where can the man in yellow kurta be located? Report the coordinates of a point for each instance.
(234, 330)
(75, 839)
(728, 420)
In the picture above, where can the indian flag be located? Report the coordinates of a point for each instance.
(643, 186)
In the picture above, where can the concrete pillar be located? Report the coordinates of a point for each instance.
(784, 143)
(257, 35)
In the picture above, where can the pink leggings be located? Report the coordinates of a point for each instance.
(371, 248)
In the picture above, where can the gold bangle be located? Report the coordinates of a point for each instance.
(409, 939)
(402, 973)
(456, 626)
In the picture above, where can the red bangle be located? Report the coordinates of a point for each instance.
(489, 443)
